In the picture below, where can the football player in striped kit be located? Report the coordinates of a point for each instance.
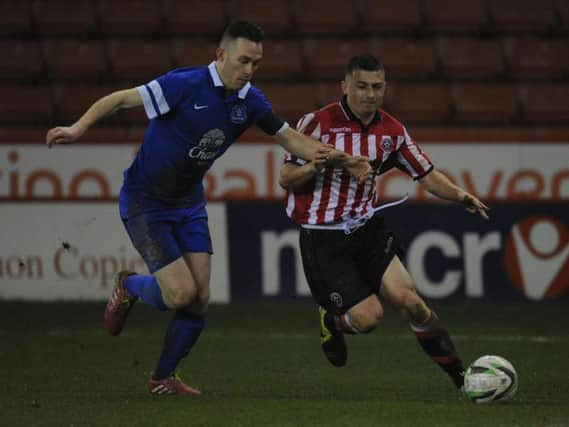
(350, 257)
(195, 115)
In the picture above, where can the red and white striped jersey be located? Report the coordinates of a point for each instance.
(334, 196)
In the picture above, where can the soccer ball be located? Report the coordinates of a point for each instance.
(490, 379)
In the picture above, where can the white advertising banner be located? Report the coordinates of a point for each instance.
(71, 251)
(501, 171)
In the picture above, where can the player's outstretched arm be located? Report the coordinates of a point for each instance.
(122, 99)
(438, 184)
(306, 148)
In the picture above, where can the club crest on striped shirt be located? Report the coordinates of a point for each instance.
(387, 144)
(238, 114)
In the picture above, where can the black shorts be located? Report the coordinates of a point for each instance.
(344, 269)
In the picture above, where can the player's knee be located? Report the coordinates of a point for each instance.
(182, 297)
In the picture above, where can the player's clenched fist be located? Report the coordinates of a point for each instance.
(359, 167)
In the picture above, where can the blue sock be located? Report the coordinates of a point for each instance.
(146, 288)
(183, 332)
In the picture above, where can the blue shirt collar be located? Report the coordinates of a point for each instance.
(218, 83)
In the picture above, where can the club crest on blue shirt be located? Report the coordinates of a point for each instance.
(238, 114)
(386, 144)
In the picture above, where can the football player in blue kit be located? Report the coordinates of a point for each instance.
(195, 115)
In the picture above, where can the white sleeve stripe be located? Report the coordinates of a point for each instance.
(407, 165)
(147, 102)
(163, 106)
(284, 127)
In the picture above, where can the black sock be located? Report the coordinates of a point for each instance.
(436, 342)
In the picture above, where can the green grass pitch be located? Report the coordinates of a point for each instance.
(261, 365)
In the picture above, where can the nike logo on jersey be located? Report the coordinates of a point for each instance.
(199, 107)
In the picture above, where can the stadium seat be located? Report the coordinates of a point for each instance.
(75, 60)
(390, 15)
(181, 16)
(65, 16)
(139, 61)
(273, 16)
(193, 52)
(455, 16)
(26, 104)
(538, 58)
(328, 92)
(328, 57)
(16, 16)
(466, 57)
(291, 101)
(484, 102)
(423, 103)
(281, 59)
(522, 15)
(73, 100)
(141, 17)
(563, 10)
(324, 16)
(405, 58)
(545, 102)
(20, 60)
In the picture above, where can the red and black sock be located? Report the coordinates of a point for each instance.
(339, 323)
(436, 342)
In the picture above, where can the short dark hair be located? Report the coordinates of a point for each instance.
(242, 29)
(366, 62)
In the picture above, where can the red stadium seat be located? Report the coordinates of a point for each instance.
(404, 58)
(563, 9)
(281, 59)
(273, 16)
(140, 17)
(139, 61)
(537, 58)
(470, 58)
(192, 52)
(181, 16)
(418, 103)
(73, 100)
(291, 101)
(455, 16)
(74, 60)
(545, 102)
(522, 15)
(329, 92)
(30, 105)
(16, 16)
(20, 60)
(390, 15)
(324, 16)
(484, 102)
(329, 57)
(65, 16)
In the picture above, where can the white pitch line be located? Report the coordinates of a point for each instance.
(537, 339)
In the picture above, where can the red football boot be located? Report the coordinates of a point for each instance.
(119, 305)
(169, 386)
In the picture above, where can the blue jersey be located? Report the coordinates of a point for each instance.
(192, 123)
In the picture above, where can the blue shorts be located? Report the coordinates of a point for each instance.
(161, 237)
